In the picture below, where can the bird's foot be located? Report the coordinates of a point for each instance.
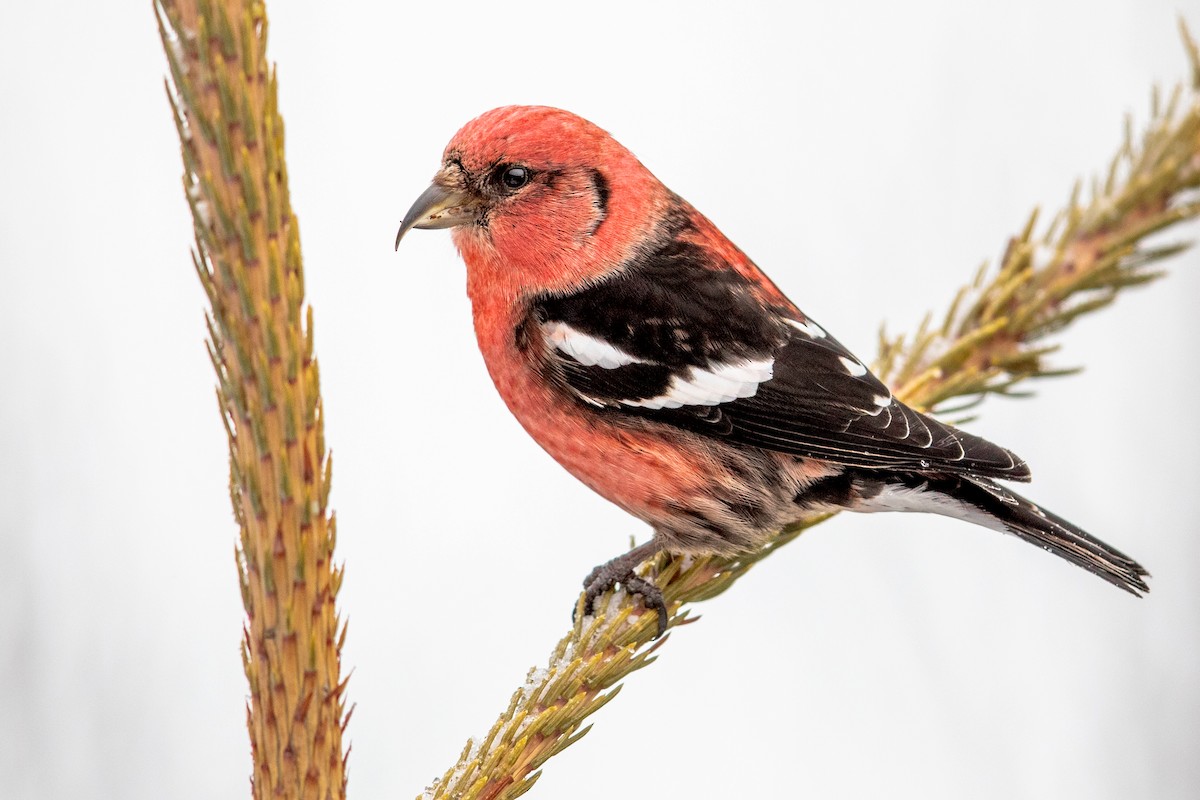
(622, 570)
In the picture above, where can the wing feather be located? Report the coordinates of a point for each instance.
(675, 339)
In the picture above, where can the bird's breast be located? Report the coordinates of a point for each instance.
(700, 494)
(636, 469)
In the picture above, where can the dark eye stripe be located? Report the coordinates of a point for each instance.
(600, 189)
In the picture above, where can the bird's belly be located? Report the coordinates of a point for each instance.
(700, 495)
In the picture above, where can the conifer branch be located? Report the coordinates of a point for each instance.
(223, 95)
(992, 339)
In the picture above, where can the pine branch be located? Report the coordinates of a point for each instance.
(989, 340)
(247, 255)
(992, 339)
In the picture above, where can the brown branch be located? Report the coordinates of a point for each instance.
(247, 255)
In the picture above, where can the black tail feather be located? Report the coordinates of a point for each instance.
(983, 502)
(1046, 530)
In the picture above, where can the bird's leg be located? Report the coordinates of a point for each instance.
(621, 570)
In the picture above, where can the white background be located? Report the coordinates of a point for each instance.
(868, 157)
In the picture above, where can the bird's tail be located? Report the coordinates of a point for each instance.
(986, 503)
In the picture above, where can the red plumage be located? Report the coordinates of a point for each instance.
(653, 360)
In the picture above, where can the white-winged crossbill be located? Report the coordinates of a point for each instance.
(653, 360)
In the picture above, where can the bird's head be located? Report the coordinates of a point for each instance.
(538, 199)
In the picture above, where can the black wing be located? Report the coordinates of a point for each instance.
(822, 402)
(673, 340)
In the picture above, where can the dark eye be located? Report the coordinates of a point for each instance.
(513, 177)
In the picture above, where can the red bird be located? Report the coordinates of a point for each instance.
(653, 360)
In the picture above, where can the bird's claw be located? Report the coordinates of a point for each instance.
(606, 576)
